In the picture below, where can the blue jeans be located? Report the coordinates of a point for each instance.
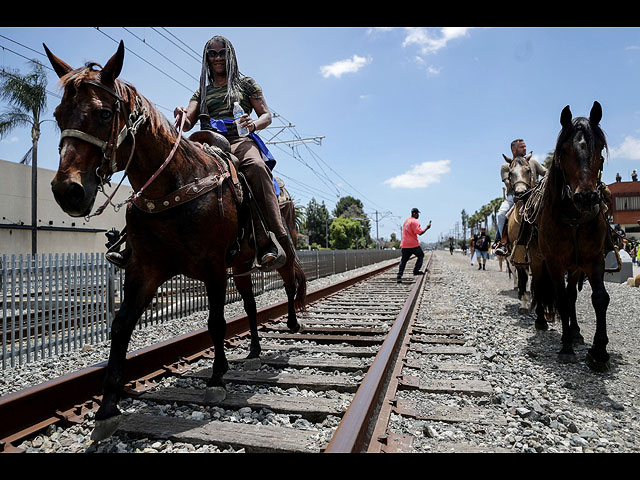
(501, 216)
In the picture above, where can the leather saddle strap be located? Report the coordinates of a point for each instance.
(182, 195)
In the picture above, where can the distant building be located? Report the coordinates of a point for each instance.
(57, 232)
(626, 207)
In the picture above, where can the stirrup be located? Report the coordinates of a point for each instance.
(278, 261)
(501, 250)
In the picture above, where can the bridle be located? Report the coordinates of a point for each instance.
(525, 165)
(108, 165)
(109, 147)
(569, 195)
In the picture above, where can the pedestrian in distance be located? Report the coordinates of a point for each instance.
(410, 244)
(482, 249)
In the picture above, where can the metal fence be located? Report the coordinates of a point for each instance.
(56, 303)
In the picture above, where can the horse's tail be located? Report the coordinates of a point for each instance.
(301, 286)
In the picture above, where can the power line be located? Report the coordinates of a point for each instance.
(160, 53)
(146, 61)
(322, 175)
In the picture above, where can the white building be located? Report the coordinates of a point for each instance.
(57, 232)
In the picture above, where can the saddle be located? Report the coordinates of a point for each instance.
(219, 147)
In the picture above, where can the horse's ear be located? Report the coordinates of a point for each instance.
(507, 159)
(565, 117)
(114, 66)
(528, 157)
(60, 67)
(596, 113)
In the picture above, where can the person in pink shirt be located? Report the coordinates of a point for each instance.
(410, 244)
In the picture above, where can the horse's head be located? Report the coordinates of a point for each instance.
(89, 120)
(578, 155)
(521, 176)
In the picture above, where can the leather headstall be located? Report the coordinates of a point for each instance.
(109, 147)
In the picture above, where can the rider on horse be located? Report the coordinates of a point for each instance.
(223, 84)
(518, 149)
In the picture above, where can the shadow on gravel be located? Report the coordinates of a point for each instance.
(584, 386)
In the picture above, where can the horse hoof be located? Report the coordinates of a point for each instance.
(567, 358)
(105, 428)
(297, 328)
(596, 365)
(578, 340)
(542, 326)
(215, 394)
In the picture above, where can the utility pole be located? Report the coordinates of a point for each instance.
(377, 234)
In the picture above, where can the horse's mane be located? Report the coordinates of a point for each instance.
(158, 124)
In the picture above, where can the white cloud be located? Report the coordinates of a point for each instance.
(431, 70)
(421, 176)
(339, 68)
(630, 148)
(430, 42)
(9, 140)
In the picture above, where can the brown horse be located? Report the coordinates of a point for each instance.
(522, 179)
(99, 116)
(571, 233)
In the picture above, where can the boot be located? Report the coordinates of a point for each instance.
(502, 248)
(114, 255)
(484, 266)
(273, 256)
(479, 266)
(119, 259)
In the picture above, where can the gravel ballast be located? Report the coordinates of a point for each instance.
(548, 406)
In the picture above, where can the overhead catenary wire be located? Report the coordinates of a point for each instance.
(323, 170)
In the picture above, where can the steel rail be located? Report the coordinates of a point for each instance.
(28, 411)
(354, 433)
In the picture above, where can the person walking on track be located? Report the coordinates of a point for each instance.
(410, 244)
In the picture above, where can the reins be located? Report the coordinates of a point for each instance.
(109, 148)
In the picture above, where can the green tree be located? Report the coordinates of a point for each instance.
(495, 206)
(345, 233)
(317, 223)
(465, 221)
(351, 207)
(27, 98)
(548, 159)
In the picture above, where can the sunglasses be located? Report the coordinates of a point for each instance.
(222, 53)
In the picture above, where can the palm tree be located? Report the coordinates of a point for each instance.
(495, 206)
(27, 98)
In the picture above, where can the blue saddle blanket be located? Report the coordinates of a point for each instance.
(220, 126)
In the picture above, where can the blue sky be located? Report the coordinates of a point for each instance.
(410, 117)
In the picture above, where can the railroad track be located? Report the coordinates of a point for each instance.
(343, 357)
(367, 359)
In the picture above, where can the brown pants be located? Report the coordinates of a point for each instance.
(259, 177)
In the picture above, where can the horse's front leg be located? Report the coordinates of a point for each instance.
(598, 357)
(216, 292)
(140, 286)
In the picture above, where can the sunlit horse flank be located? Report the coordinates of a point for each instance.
(521, 178)
(191, 239)
(571, 235)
